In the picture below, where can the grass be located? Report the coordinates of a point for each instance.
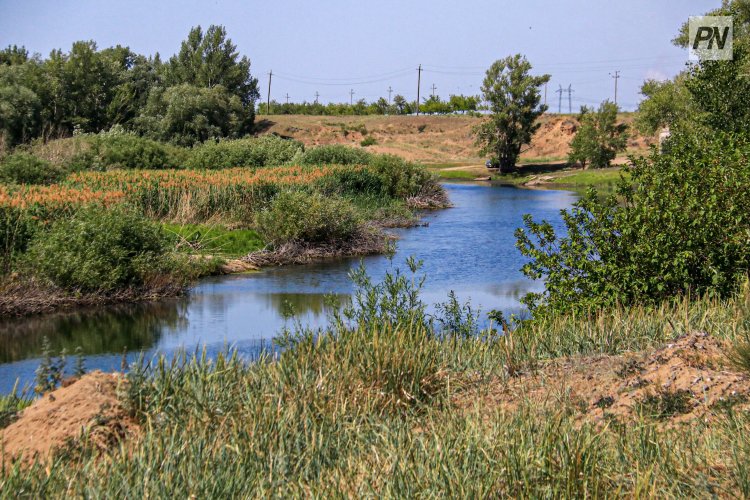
(215, 240)
(365, 408)
(591, 177)
(457, 174)
(11, 405)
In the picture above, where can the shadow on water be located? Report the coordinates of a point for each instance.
(468, 249)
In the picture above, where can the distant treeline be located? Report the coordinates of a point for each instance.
(399, 106)
(204, 91)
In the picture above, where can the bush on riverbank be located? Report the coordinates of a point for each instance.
(657, 237)
(99, 250)
(299, 217)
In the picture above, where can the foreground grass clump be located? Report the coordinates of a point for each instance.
(365, 408)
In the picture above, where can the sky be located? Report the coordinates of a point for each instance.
(333, 47)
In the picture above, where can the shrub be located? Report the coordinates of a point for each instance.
(335, 154)
(368, 141)
(101, 250)
(16, 230)
(121, 150)
(268, 150)
(401, 179)
(24, 168)
(298, 217)
(599, 137)
(678, 224)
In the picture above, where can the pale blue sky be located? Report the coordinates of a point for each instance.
(332, 46)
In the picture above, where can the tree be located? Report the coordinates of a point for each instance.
(400, 103)
(186, 114)
(599, 137)
(666, 104)
(677, 224)
(514, 102)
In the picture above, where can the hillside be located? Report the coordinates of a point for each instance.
(428, 139)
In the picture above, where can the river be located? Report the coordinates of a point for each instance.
(469, 249)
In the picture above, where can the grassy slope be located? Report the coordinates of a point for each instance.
(428, 139)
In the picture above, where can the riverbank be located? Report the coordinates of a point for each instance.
(641, 401)
(553, 175)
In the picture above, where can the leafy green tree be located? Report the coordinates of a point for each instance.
(599, 137)
(666, 104)
(400, 103)
(20, 110)
(13, 54)
(678, 224)
(514, 103)
(211, 59)
(186, 115)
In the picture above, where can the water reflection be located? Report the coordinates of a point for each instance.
(113, 329)
(469, 249)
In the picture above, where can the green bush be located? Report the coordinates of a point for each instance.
(101, 250)
(24, 168)
(132, 151)
(368, 141)
(401, 179)
(335, 154)
(299, 217)
(268, 150)
(599, 137)
(17, 227)
(678, 224)
(352, 182)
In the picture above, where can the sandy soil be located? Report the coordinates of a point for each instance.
(680, 382)
(429, 139)
(88, 408)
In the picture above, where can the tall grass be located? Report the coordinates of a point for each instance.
(364, 408)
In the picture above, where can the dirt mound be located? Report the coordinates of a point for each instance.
(86, 409)
(430, 139)
(685, 380)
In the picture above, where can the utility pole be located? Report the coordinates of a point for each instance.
(559, 104)
(316, 97)
(545, 93)
(351, 97)
(616, 76)
(389, 94)
(419, 82)
(287, 97)
(268, 97)
(433, 90)
(570, 99)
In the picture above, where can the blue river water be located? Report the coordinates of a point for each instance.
(469, 249)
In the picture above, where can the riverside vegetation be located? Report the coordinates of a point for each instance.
(389, 400)
(79, 224)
